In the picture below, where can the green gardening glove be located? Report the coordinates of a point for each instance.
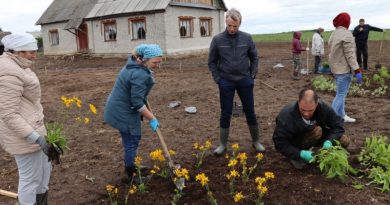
(306, 155)
(327, 144)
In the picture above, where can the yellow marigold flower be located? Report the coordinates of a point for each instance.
(238, 197)
(92, 108)
(86, 120)
(183, 172)
(172, 152)
(137, 161)
(78, 101)
(201, 148)
(196, 145)
(157, 155)
(208, 144)
(263, 190)
(153, 171)
(116, 191)
(260, 180)
(233, 174)
(232, 163)
(227, 156)
(259, 156)
(133, 189)
(202, 178)
(242, 157)
(235, 146)
(269, 175)
(109, 187)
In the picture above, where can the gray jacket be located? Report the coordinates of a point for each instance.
(233, 57)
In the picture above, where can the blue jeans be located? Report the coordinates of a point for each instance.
(343, 81)
(244, 90)
(130, 145)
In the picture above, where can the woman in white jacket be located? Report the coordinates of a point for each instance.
(22, 129)
(317, 48)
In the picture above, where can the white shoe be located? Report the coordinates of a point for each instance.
(349, 119)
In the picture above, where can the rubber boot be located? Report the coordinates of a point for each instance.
(254, 130)
(130, 172)
(41, 199)
(223, 137)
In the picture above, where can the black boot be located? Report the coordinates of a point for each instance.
(41, 199)
(130, 172)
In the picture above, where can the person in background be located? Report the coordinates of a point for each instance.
(127, 102)
(361, 32)
(296, 51)
(317, 48)
(306, 123)
(22, 128)
(233, 62)
(342, 60)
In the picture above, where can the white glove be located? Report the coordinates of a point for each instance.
(307, 48)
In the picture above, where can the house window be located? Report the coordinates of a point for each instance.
(205, 26)
(185, 27)
(109, 30)
(137, 28)
(54, 37)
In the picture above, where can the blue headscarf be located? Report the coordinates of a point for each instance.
(148, 51)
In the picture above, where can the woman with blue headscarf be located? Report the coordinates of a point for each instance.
(127, 102)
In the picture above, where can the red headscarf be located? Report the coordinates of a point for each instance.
(343, 19)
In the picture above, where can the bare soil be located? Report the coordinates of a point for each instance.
(96, 156)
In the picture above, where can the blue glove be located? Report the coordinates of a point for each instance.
(327, 144)
(306, 155)
(359, 77)
(153, 123)
(43, 144)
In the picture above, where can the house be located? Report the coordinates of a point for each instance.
(102, 27)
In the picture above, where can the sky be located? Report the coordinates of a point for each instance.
(259, 16)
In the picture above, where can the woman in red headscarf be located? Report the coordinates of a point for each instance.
(342, 60)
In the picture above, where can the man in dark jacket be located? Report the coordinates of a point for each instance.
(233, 64)
(304, 124)
(361, 37)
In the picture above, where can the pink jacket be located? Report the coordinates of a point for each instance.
(21, 111)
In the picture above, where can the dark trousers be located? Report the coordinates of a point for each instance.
(361, 48)
(130, 145)
(244, 90)
(317, 63)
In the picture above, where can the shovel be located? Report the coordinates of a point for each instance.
(378, 65)
(179, 182)
(8, 193)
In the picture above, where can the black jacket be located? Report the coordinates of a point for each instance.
(233, 57)
(290, 128)
(362, 36)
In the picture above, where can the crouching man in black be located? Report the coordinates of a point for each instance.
(306, 123)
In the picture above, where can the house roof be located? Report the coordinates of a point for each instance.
(75, 11)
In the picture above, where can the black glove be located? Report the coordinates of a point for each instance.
(44, 146)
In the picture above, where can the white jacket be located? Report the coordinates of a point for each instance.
(317, 45)
(21, 111)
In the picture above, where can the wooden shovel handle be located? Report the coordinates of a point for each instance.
(8, 193)
(163, 144)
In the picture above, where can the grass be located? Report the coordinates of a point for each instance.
(307, 35)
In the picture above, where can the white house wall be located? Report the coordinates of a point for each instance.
(67, 41)
(124, 43)
(177, 45)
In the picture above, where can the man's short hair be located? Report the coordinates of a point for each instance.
(302, 94)
(361, 20)
(234, 14)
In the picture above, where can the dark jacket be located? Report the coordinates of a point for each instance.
(362, 36)
(128, 95)
(296, 43)
(290, 128)
(233, 57)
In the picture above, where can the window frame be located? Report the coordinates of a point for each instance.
(106, 25)
(56, 41)
(209, 23)
(190, 24)
(135, 33)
